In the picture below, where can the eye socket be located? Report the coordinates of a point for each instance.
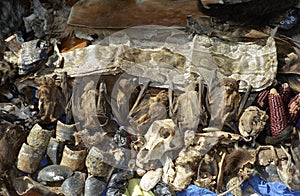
(164, 133)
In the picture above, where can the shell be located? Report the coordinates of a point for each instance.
(74, 159)
(29, 158)
(65, 132)
(54, 173)
(54, 150)
(94, 163)
(150, 179)
(73, 186)
(25, 186)
(94, 186)
(39, 137)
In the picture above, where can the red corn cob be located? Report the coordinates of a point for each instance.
(261, 100)
(278, 118)
(294, 109)
(285, 93)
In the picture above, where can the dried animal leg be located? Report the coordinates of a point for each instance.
(145, 86)
(221, 172)
(244, 100)
(102, 105)
(232, 187)
(170, 96)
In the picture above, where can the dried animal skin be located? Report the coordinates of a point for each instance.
(243, 10)
(252, 122)
(10, 143)
(189, 156)
(159, 65)
(88, 105)
(233, 99)
(237, 160)
(12, 12)
(121, 104)
(257, 67)
(46, 22)
(31, 54)
(7, 72)
(148, 112)
(51, 100)
(188, 112)
(124, 14)
(183, 177)
(289, 173)
(177, 177)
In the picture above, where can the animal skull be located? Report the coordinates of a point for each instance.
(162, 139)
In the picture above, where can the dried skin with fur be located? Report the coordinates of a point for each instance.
(51, 100)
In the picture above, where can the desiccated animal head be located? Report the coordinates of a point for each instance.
(161, 138)
(231, 85)
(252, 121)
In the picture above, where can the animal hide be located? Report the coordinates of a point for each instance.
(129, 13)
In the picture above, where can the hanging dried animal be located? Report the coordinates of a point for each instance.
(189, 112)
(149, 111)
(51, 100)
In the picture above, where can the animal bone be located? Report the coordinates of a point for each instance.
(162, 139)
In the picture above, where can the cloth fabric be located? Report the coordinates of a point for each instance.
(261, 186)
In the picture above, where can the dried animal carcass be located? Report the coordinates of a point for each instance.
(189, 112)
(232, 98)
(10, 143)
(288, 172)
(179, 174)
(237, 168)
(148, 112)
(88, 105)
(8, 72)
(51, 100)
(220, 92)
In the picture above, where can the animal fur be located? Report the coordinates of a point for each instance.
(128, 13)
(235, 161)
